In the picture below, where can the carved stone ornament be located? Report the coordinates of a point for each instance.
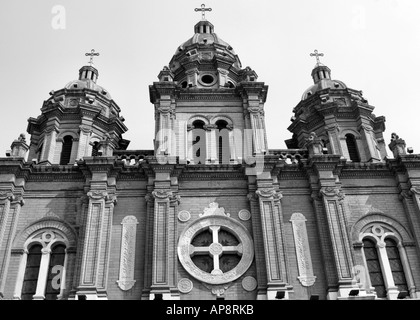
(98, 195)
(218, 290)
(249, 283)
(269, 193)
(6, 195)
(332, 192)
(213, 219)
(148, 197)
(303, 254)
(244, 215)
(185, 285)
(161, 194)
(175, 199)
(184, 216)
(213, 209)
(128, 253)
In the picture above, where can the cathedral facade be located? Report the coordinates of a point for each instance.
(211, 212)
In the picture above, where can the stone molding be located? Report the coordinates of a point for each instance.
(128, 253)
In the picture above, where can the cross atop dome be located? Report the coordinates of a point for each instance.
(91, 54)
(203, 10)
(317, 55)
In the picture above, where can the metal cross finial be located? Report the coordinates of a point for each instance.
(91, 54)
(317, 55)
(203, 10)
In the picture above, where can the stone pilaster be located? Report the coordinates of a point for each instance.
(84, 138)
(333, 200)
(273, 233)
(258, 243)
(11, 202)
(48, 150)
(96, 245)
(160, 263)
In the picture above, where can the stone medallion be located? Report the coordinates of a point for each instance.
(184, 216)
(185, 285)
(249, 283)
(244, 215)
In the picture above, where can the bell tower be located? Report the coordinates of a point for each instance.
(340, 117)
(77, 121)
(206, 104)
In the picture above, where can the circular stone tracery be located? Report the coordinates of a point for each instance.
(218, 252)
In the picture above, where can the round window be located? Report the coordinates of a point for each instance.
(207, 79)
(215, 249)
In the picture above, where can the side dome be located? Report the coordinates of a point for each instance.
(321, 75)
(87, 80)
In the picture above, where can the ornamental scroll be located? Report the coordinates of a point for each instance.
(128, 253)
(303, 254)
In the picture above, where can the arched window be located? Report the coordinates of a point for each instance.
(352, 148)
(55, 269)
(66, 150)
(199, 142)
(95, 149)
(222, 142)
(374, 267)
(396, 265)
(30, 279)
(43, 266)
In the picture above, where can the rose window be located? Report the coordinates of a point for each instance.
(216, 249)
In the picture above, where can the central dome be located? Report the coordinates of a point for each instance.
(205, 60)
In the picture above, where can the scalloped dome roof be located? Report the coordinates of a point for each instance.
(87, 84)
(321, 75)
(87, 80)
(323, 84)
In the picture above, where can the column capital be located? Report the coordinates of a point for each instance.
(85, 129)
(332, 192)
(269, 193)
(98, 195)
(6, 195)
(162, 194)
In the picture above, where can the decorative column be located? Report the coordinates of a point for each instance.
(391, 289)
(372, 153)
(96, 245)
(211, 137)
(42, 275)
(255, 112)
(258, 243)
(333, 200)
(84, 138)
(163, 271)
(148, 256)
(10, 205)
(335, 143)
(174, 201)
(272, 226)
(48, 149)
(166, 136)
(192, 75)
(222, 76)
(232, 147)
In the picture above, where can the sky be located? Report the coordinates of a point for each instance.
(370, 45)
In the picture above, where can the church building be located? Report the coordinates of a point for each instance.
(212, 212)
